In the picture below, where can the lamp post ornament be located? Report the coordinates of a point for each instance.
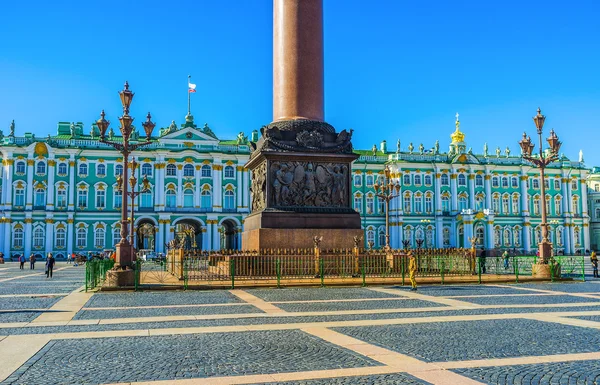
(134, 194)
(387, 191)
(124, 252)
(541, 161)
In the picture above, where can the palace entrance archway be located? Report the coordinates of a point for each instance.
(189, 233)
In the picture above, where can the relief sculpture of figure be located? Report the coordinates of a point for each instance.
(310, 187)
(338, 192)
(281, 184)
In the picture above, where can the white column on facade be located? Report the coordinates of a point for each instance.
(217, 186)
(246, 190)
(7, 238)
(27, 231)
(569, 197)
(50, 190)
(400, 234)
(29, 193)
(179, 185)
(169, 231)
(454, 192)
(7, 190)
(70, 235)
(490, 232)
(585, 233)
(571, 233)
(159, 185)
(524, 200)
(72, 188)
(438, 193)
(197, 175)
(216, 236)
(453, 232)
(239, 190)
(471, 192)
(49, 233)
(527, 237)
(584, 199)
(160, 237)
(439, 232)
(206, 234)
(3, 240)
(488, 190)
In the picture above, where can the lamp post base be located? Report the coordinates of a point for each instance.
(545, 249)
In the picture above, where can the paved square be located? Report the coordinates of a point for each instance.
(53, 333)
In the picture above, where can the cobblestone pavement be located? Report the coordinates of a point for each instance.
(442, 334)
(556, 373)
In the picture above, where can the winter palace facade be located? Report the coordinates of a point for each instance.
(59, 194)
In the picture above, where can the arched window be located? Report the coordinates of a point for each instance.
(507, 237)
(206, 199)
(369, 180)
(40, 197)
(497, 237)
(429, 238)
(408, 235)
(370, 237)
(495, 181)
(147, 169)
(577, 236)
(480, 234)
(428, 204)
(99, 238)
(60, 238)
(206, 171)
(116, 235)
(229, 172)
(536, 183)
(496, 204)
(407, 204)
(514, 182)
(62, 168)
(505, 204)
(575, 204)
(20, 167)
(504, 182)
(81, 238)
(445, 204)
(444, 180)
(229, 203)
(427, 180)
(18, 237)
(146, 200)
(557, 205)
(462, 203)
(559, 236)
(446, 236)
(40, 168)
(515, 204)
(101, 170)
(370, 204)
(479, 202)
(118, 169)
(537, 208)
(82, 198)
(417, 179)
(188, 198)
(171, 170)
(118, 202)
(357, 180)
(462, 180)
(597, 213)
(381, 237)
(171, 198)
(517, 236)
(419, 234)
(61, 198)
(100, 199)
(19, 197)
(38, 238)
(83, 169)
(358, 203)
(406, 180)
(188, 170)
(479, 180)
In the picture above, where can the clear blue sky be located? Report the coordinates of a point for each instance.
(393, 69)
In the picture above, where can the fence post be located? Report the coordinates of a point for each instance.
(443, 267)
(185, 274)
(403, 263)
(479, 268)
(87, 277)
(232, 271)
(551, 263)
(137, 274)
(516, 268)
(278, 268)
(583, 268)
(322, 272)
(362, 268)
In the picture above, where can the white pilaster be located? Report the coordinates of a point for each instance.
(246, 190)
(50, 191)
(439, 232)
(217, 186)
(488, 190)
(179, 186)
(524, 201)
(471, 192)
(216, 241)
(197, 174)
(72, 188)
(454, 193)
(7, 188)
(29, 187)
(49, 234)
(438, 194)
(7, 237)
(239, 191)
(490, 232)
(527, 237)
(28, 233)
(70, 235)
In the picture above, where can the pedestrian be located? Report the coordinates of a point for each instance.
(594, 259)
(506, 259)
(32, 262)
(412, 270)
(482, 261)
(70, 258)
(21, 261)
(50, 261)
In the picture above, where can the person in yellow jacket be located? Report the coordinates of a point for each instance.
(412, 270)
(594, 260)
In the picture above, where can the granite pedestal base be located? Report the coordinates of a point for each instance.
(120, 278)
(298, 238)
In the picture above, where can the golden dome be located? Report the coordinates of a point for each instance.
(457, 136)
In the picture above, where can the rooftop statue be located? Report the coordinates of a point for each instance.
(437, 147)
(421, 148)
(507, 151)
(398, 146)
(12, 128)
(242, 139)
(374, 149)
(485, 150)
(411, 148)
(498, 152)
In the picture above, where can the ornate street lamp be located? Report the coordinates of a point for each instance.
(541, 161)
(124, 250)
(389, 191)
(134, 194)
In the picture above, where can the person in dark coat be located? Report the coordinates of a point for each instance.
(21, 262)
(32, 262)
(50, 262)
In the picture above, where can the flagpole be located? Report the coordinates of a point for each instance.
(189, 94)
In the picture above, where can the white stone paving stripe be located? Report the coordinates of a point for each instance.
(519, 360)
(16, 350)
(164, 306)
(256, 302)
(30, 275)
(33, 295)
(66, 308)
(415, 295)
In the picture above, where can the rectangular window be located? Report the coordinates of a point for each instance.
(369, 180)
(504, 182)
(81, 238)
(417, 179)
(357, 180)
(428, 205)
(515, 206)
(514, 182)
(406, 179)
(557, 184)
(547, 184)
(406, 207)
(381, 205)
(146, 200)
(61, 199)
(82, 198)
(418, 205)
(19, 197)
(61, 238)
(358, 204)
(100, 199)
(118, 199)
(370, 205)
(445, 204)
(495, 182)
(574, 185)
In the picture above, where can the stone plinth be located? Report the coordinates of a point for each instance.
(265, 238)
(120, 278)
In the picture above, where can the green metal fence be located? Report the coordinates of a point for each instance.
(95, 272)
(352, 266)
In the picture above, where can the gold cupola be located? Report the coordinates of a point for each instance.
(457, 136)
